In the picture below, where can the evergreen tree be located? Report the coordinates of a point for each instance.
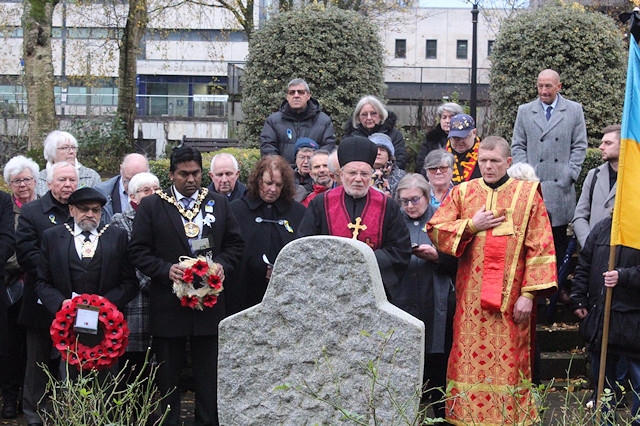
(338, 52)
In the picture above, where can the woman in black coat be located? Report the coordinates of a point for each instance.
(269, 219)
(371, 116)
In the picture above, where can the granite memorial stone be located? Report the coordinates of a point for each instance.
(324, 339)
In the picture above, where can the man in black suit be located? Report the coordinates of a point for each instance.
(80, 257)
(35, 217)
(185, 220)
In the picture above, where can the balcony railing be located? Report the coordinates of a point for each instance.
(198, 106)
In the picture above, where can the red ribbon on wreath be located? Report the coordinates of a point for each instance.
(111, 322)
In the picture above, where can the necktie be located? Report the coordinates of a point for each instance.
(548, 113)
(186, 202)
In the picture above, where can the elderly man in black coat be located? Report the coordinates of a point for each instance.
(80, 257)
(36, 217)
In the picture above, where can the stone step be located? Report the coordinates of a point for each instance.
(563, 365)
(560, 337)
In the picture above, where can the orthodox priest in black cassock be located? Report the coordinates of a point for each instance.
(357, 211)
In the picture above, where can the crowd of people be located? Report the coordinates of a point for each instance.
(465, 244)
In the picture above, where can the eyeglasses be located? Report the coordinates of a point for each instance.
(441, 169)
(94, 210)
(368, 114)
(18, 182)
(147, 191)
(413, 200)
(303, 157)
(353, 174)
(68, 148)
(293, 92)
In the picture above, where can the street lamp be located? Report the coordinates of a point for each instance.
(473, 99)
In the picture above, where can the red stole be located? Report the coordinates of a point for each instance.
(495, 254)
(372, 216)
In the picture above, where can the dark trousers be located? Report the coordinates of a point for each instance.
(171, 356)
(39, 349)
(435, 381)
(561, 242)
(611, 379)
(12, 352)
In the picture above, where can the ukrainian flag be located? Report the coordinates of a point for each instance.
(626, 212)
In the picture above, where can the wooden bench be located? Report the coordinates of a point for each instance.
(208, 145)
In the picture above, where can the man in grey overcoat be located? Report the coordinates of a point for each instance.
(599, 187)
(551, 135)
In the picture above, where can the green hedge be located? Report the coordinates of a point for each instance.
(593, 160)
(247, 159)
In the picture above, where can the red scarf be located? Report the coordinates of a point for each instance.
(464, 163)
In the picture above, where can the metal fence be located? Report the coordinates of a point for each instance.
(15, 103)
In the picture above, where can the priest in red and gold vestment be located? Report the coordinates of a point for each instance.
(500, 230)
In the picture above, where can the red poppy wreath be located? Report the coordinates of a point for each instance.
(200, 284)
(112, 327)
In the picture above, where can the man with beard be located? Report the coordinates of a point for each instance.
(599, 187)
(35, 217)
(357, 211)
(299, 116)
(81, 258)
(320, 174)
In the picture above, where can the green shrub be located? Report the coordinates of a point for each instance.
(338, 52)
(101, 143)
(593, 160)
(247, 159)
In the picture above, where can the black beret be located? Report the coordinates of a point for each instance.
(87, 195)
(357, 148)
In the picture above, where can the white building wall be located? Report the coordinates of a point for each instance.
(447, 26)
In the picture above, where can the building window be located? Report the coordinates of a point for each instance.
(432, 49)
(401, 48)
(490, 47)
(461, 49)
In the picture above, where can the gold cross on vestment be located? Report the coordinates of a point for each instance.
(357, 227)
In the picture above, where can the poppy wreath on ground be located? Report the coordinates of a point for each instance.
(200, 284)
(111, 326)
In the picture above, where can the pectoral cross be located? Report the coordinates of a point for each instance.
(357, 227)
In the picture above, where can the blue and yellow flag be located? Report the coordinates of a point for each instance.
(626, 212)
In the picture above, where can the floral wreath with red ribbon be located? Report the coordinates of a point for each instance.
(111, 322)
(200, 284)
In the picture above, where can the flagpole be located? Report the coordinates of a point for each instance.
(605, 336)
